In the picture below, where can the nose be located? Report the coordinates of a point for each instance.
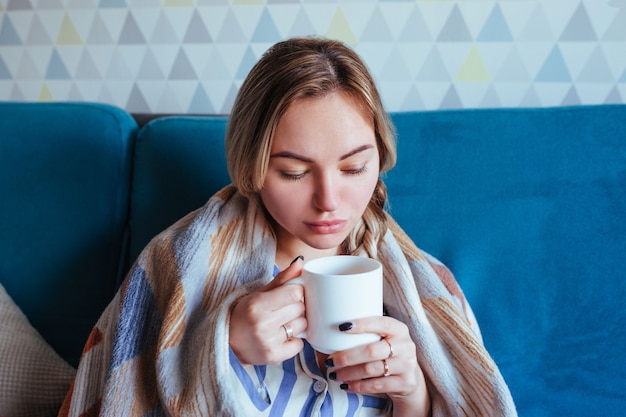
(326, 193)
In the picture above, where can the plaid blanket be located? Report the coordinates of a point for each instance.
(161, 346)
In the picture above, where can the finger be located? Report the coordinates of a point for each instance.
(361, 356)
(292, 271)
(380, 385)
(291, 296)
(398, 382)
(298, 326)
(369, 370)
(274, 295)
(385, 326)
(395, 341)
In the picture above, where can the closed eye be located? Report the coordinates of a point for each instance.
(356, 171)
(295, 176)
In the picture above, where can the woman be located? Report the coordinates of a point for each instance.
(203, 324)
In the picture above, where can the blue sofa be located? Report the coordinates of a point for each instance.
(526, 206)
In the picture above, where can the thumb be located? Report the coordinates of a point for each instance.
(292, 271)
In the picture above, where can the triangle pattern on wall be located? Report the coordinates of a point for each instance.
(131, 34)
(8, 34)
(266, 30)
(496, 28)
(554, 68)
(163, 32)
(48, 5)
(87, 68)
(579, 28)
(473, 69)
(513, 69)
(56, 68)
(196, 31)
(192, 55)
(415, 30)
(200, 102)
(302, 25)
(376, 29)
(434, 68)
(4, 71)
(231, 31)
(14, 5)
(27, 68)
(37, 35)
(68, 35)
(455, 28)
(537, 27)
(617, 31)
(112, 4)
(596, 70)
(339, 28)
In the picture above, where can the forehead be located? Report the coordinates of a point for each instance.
(336, 117)
(330, 99)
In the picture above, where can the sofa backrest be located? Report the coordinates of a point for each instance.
(64, 191)
(179, 164)
(526, 206)
(528, 209)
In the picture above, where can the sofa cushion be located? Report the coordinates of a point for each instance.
(33, 378)
(179, 164)
(66, 170)
(528, 209)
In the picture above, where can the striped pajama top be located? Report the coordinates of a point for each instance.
(297, 388)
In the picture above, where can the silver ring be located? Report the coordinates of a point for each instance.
(386, 365)
(390, 348)
(288, 330)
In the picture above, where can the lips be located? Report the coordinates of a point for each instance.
(327, 226)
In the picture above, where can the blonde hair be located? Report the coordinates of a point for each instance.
(302, 68)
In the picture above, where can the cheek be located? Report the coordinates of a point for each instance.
(279, 202)
(363, 193)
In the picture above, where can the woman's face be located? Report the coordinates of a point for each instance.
(323, 169)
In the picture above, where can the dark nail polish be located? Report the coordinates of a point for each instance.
(332, 376)
(345, 326)
(329, 363)
(343, 386)
(298, 257)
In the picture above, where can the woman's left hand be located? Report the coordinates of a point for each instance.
(388, 366)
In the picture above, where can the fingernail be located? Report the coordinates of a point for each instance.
(332, 376)
(345, 326)
(298, 257)
(343, 386)
(329, 363)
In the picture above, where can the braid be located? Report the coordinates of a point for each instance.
(371, 228)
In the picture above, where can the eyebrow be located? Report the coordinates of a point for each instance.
(287, 154)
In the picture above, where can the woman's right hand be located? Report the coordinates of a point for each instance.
(257, 335)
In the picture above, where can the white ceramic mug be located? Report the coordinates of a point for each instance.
(339, 289)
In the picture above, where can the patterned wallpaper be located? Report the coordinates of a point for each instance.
(190, 56)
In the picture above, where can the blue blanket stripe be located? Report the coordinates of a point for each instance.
(138, 312)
